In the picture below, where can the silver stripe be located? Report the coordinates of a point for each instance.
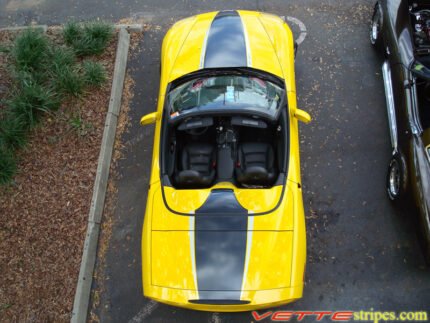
(248, 50)
(203, 53)
(250, 230)
(191, 233)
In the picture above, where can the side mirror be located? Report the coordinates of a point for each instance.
(420, 70)
(148, 119)
(302, 116)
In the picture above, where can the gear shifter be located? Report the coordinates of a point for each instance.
(227, 143)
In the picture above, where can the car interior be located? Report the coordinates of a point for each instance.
(420, 25)
(202, 151)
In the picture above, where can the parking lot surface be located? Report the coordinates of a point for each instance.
(362, 252)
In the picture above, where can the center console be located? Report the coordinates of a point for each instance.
(226, 153)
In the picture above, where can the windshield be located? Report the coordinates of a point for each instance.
(226, 92)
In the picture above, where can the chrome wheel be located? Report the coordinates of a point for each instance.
(394, 179)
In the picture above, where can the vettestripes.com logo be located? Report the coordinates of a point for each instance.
(341, 316)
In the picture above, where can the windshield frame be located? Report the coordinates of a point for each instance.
(239, 71)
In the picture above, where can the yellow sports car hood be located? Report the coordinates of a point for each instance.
(221, 248)
(227, 39)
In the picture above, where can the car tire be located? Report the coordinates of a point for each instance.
(396, 179)
(376, 27)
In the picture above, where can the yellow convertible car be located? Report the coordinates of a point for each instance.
(224, 227)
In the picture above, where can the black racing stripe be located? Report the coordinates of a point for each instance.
(220, 246)
(219, 301)
(226, 46)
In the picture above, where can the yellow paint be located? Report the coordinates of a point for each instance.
(255, 200)
(258, 200)
(259, 299)
(149, 119)
(277, 254)
(262, 53)
(172, 264)
(183, 53)
(281, 218)
(283, 43)
(185, 201)
(269, 268)
(302, 116)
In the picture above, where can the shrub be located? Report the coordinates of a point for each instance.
(88, 39)
(72, 31)
(94, 73)
(64, 74)
(67, 80)
(99, 30)
(30, 50)
(61, 57)
(42, 72)
(30, 100)
(13, 133)
(7, 165)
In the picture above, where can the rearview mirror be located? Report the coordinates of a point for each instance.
(302, 116)
(148, 119)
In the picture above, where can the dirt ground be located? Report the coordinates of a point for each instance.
(44, 213)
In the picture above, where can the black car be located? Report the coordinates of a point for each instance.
(400, 31)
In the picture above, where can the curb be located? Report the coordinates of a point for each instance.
(83, 289)
(19, 28)
(131, 28)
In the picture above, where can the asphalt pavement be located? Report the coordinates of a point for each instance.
(363, 253)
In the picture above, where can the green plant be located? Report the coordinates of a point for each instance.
(30, 100)
(94, 73)
(13, 133)
(71, 31)
(7, 165)
(64, 74)
(88, 39)
(76, 122)
(29, 51)
(42, 72)
(61, 57)
(100, 30)
(79, 125)
(4, 49)
(67, 80)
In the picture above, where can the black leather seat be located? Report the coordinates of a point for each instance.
(255, 165)
(197, 166)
